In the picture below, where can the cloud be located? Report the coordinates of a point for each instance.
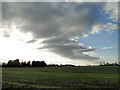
(6, 35)
(33, 0)
(31, 41)
(110, 23)
(60, 0)
(67, 48)
(97, 28)
(91, 53)
(69, 51)
(58, 24)
(108, 27)
(93, 0)
(85, 35)
(113, 12)
(104, 48)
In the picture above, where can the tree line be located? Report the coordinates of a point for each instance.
(17, 63)
(109, 64)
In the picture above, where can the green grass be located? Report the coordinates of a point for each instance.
(61, 77)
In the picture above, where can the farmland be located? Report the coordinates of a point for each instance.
(82, 77)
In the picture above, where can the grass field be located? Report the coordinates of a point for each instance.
(101, 77)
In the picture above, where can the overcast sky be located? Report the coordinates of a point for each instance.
(62, 33)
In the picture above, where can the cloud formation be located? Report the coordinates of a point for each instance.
(56, 23)
(61, 0)
(104, 48)
(31, 41)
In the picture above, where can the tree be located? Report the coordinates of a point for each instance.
(33, 64)
(28, 64)
(13, 63)
(39, 64)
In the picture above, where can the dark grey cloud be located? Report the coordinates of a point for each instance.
(56, 23)
(31, 41)
(6, 35)
(67, 48)
(33, 1)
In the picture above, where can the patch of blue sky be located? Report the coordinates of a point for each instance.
(101, 40)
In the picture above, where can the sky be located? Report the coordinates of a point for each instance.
(79, 33)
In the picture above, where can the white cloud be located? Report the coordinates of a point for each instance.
(93, 0)
(108, 27)
(85, 35)
(90, 47)
(104, 48)
(81, 44)
(91, 54)
(96, 28)
(112, 10)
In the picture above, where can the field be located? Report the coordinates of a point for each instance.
(84, 77)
